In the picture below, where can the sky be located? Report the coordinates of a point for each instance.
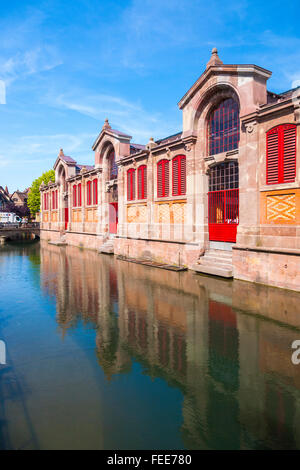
(66, 66)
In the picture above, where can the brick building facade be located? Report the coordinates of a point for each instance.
(221, 197)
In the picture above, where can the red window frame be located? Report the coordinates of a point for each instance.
(142, 182)
(79, 195)
(56, 199)
(95, 191)
(131, 184)
(89, 193)
(179, 175)
(223, 130)
(74, 195)
(281, 144)
(163, 178)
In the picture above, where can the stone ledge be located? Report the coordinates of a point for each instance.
(275, 250)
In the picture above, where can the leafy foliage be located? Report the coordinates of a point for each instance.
(34, 198)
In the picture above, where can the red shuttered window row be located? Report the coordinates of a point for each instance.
(92, 192)
(54, 200)
(179, 175)
(141, 183)
(281, 154)
(77, 195)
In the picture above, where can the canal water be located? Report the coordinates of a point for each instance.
(105, 354)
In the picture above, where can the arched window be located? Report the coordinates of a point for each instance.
(79, 195)
(224, 127)
(89, 193)
(179, 175)
(131, 184)
(112, 166)
(74, 195)
(95, 191)
(163, 178)
(281, 154)
(142, 182)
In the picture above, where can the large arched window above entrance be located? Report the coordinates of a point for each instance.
(224, 127)
(112, 166)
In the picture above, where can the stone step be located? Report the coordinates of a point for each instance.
(219, 254)
(216, 262)
(107, 247)
(213, 270)
(213, 259)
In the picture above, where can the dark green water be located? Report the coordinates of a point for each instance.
(104, 354)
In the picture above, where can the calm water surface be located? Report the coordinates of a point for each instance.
(104, 354)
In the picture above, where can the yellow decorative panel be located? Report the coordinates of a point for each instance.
(91, 215)
(45, 216)
(172, 212)
(76, 216)
(178, 210)
(137, 213)
(54, 216)
(164, 213)
(281, 207)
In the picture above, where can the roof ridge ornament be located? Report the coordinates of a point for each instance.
(61, 153)
(215, 59)
(106, 124)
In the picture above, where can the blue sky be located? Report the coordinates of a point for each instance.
(69, 65)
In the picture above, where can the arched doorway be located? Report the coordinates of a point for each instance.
(112, 176)
(223, 202)
(64, 199)
(223, 135)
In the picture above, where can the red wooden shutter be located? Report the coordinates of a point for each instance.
(175, 168)
(183, 175)
(142, 182)
(159, 179)
(281, 154)
(131, 184)
(89, 195)
(79, 195)
(272, 156)
(95, 192)
(74, 196)
(163, 178)
(289, 153)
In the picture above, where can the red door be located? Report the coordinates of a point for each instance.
(66, 218)
(223, 215)
(113, 217)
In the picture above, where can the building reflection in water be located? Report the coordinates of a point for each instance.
(226, 345)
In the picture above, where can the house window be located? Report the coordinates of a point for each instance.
(79, 195)
(281, 154)
(74, 196)
(179, 175)
(89, 193)
(163, 178)
(95, 192)
(224, 127)
(142, 182)
(131, 184)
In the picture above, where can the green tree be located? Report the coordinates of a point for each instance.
(34, 197)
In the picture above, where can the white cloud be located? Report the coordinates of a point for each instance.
(123, 115)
